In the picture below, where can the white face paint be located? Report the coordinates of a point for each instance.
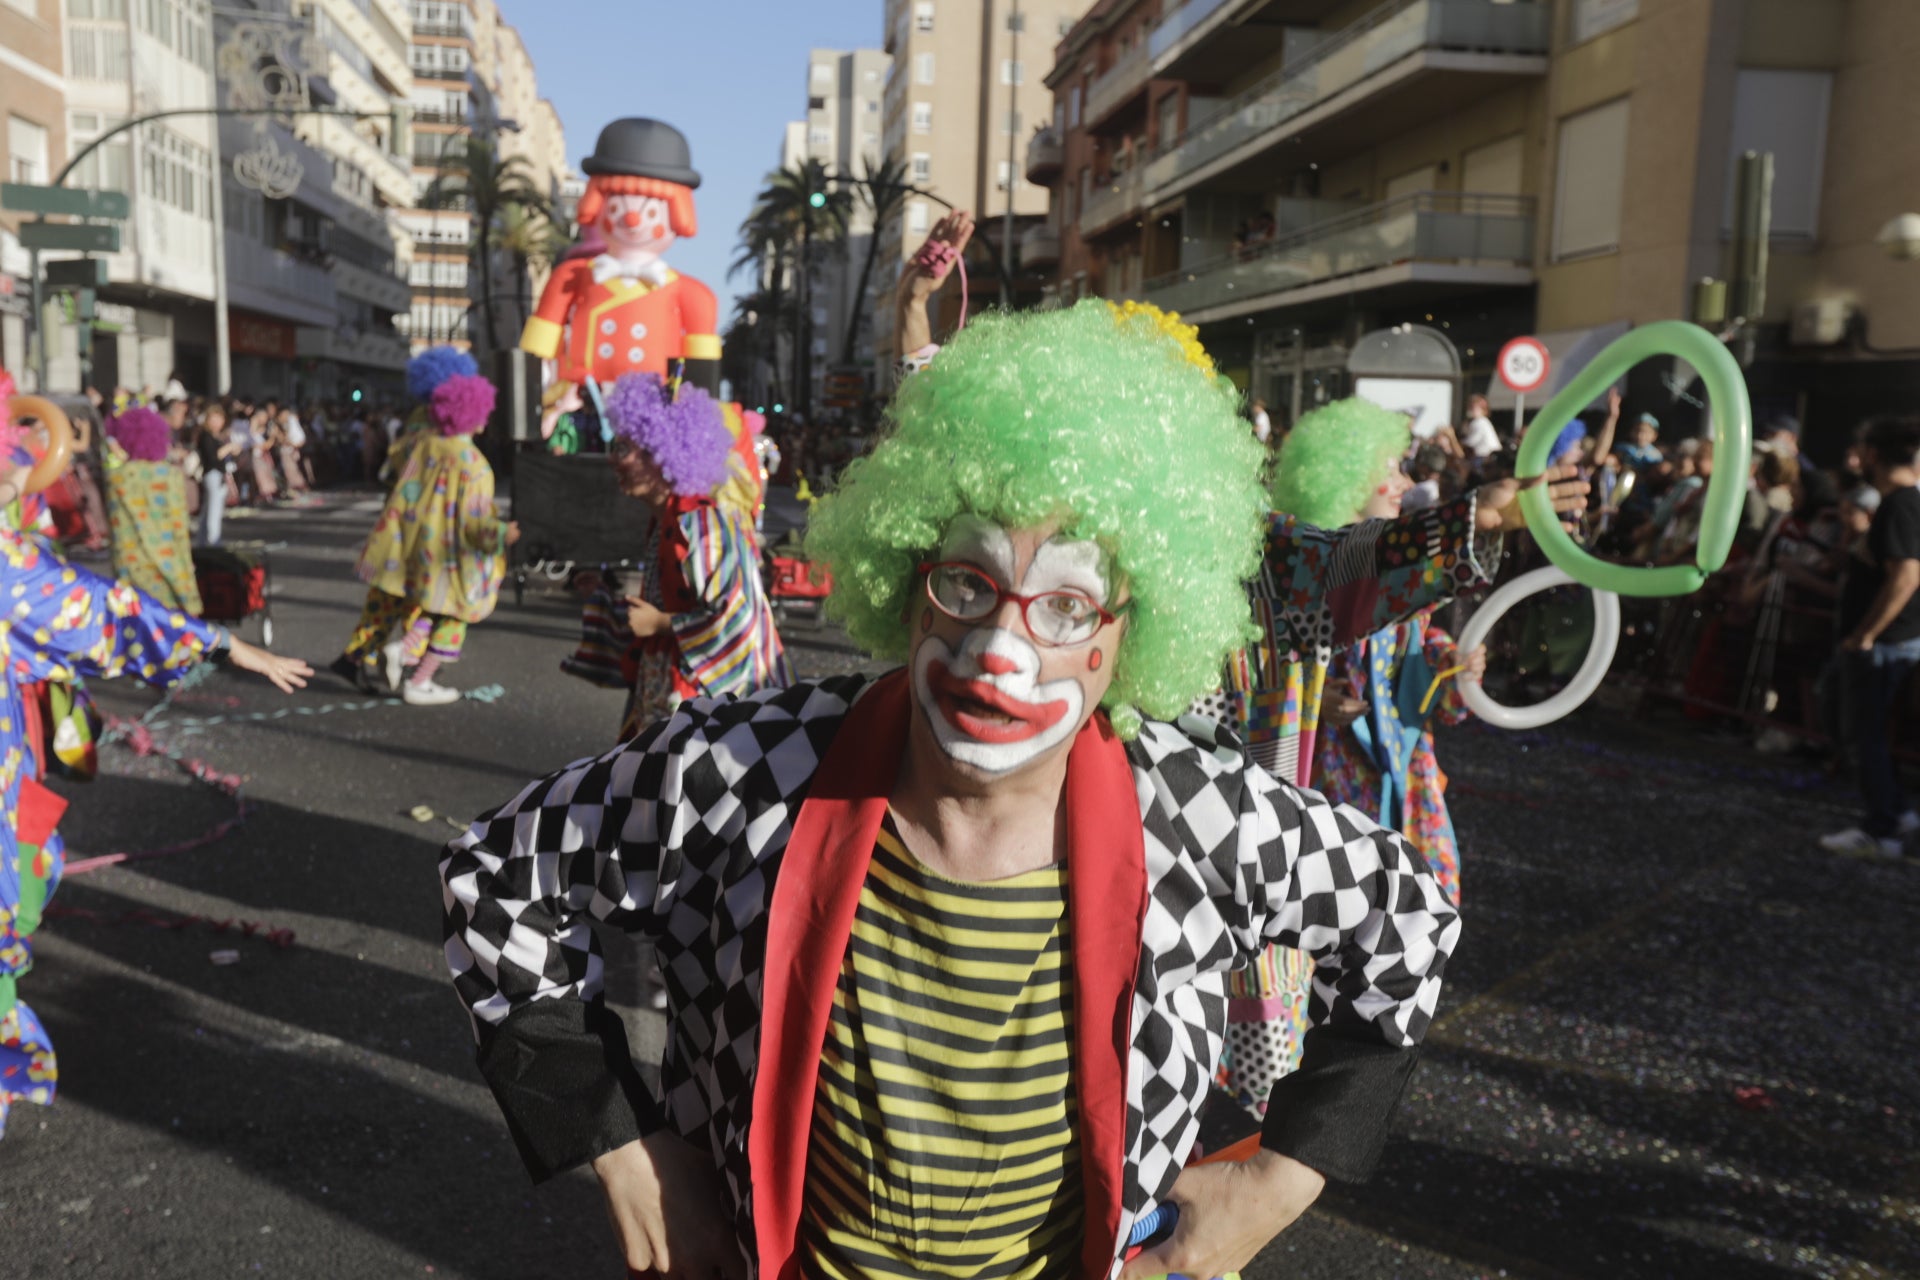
(986, 702)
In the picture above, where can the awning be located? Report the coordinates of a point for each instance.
(1568, 352)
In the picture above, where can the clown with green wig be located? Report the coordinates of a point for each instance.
(946, 951)
(1348, 672)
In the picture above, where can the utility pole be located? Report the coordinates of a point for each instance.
(1015, 21)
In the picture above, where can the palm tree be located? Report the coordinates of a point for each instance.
(804, 201)
(883, 188)
(526, 235)
(765, 249)
(475, 178)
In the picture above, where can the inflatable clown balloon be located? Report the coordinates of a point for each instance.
(622, 310)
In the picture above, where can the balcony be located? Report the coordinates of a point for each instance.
(1452, 50)
(438, 115)
(370, 350)
(1441, 238)
(273, 283)
(392, 175)
(1039, 248)
(1118, 84)
(1209, 41)
(444, 30)
(383, 290)
(1112, 203)
(1045, 155)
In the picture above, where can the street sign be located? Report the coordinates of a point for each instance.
(83, 237)
(74, 202)
(80, 273)
(1523, 365)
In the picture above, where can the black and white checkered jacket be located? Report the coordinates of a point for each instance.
(680, 835)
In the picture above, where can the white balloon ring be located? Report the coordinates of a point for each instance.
(1606, 638)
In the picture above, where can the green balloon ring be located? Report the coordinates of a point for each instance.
(1726, 488)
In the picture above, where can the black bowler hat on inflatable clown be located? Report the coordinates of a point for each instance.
(640, 148)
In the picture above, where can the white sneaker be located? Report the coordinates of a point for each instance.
(1856, 843)
(1908, 823)
(394, 656)
(425, 693)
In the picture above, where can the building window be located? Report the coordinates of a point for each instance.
(1010, 122)
(1012, 72)
(873, 106)
(26, 151)
(923, 15)
(1003, 175)
(1595, 17)
(1591, 181)
(1073, 107)
(819, 136)
(923, 117)
(105, 168)
(1784, 112)
(822, 73)
(923, 68)
(917, 217)
(922, 167)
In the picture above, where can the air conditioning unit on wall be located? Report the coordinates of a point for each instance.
(1822, 323)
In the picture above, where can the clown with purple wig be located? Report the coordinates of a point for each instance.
(695, 622)
(435, 559)
(425, 373)
(147, 508)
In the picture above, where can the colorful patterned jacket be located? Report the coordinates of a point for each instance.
(1320, 590)
(61, 622)
(737, 835)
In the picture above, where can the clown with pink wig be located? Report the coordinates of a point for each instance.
(436, 557)
(147, 506)
(697, 622)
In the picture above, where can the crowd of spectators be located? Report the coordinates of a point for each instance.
(240, 452)
(1778, 647)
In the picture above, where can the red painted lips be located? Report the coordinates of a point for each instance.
(961, 700)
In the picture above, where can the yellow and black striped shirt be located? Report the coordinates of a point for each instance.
(945, 1127)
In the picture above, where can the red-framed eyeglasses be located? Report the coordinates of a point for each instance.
(1065, 617)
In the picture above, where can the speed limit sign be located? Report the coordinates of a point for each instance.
(1523, 365)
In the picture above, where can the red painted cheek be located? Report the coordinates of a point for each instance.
(1384, 490)
(1094, 660)
(926, 622)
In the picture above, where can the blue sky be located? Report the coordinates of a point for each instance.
(727, 73)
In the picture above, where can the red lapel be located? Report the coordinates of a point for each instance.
(811, 918)
(808, 924)
(1107, 903)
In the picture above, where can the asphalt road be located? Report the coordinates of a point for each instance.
(1677, 1041)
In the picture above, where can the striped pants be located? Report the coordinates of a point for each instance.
(422, 632)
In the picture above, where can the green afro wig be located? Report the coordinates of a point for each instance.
(1092, 417)
(1334, 457)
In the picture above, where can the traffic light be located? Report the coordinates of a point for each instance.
(779, 408)
(818, 199)
(357, 395)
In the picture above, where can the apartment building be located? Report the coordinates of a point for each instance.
(157, 314)
(473, 78)
(843, 130)
(33, 102)
(443, 55)
(313, 277)
(1290, 174)
(966, 90)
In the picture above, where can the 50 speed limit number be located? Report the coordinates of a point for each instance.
(1523, 365)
